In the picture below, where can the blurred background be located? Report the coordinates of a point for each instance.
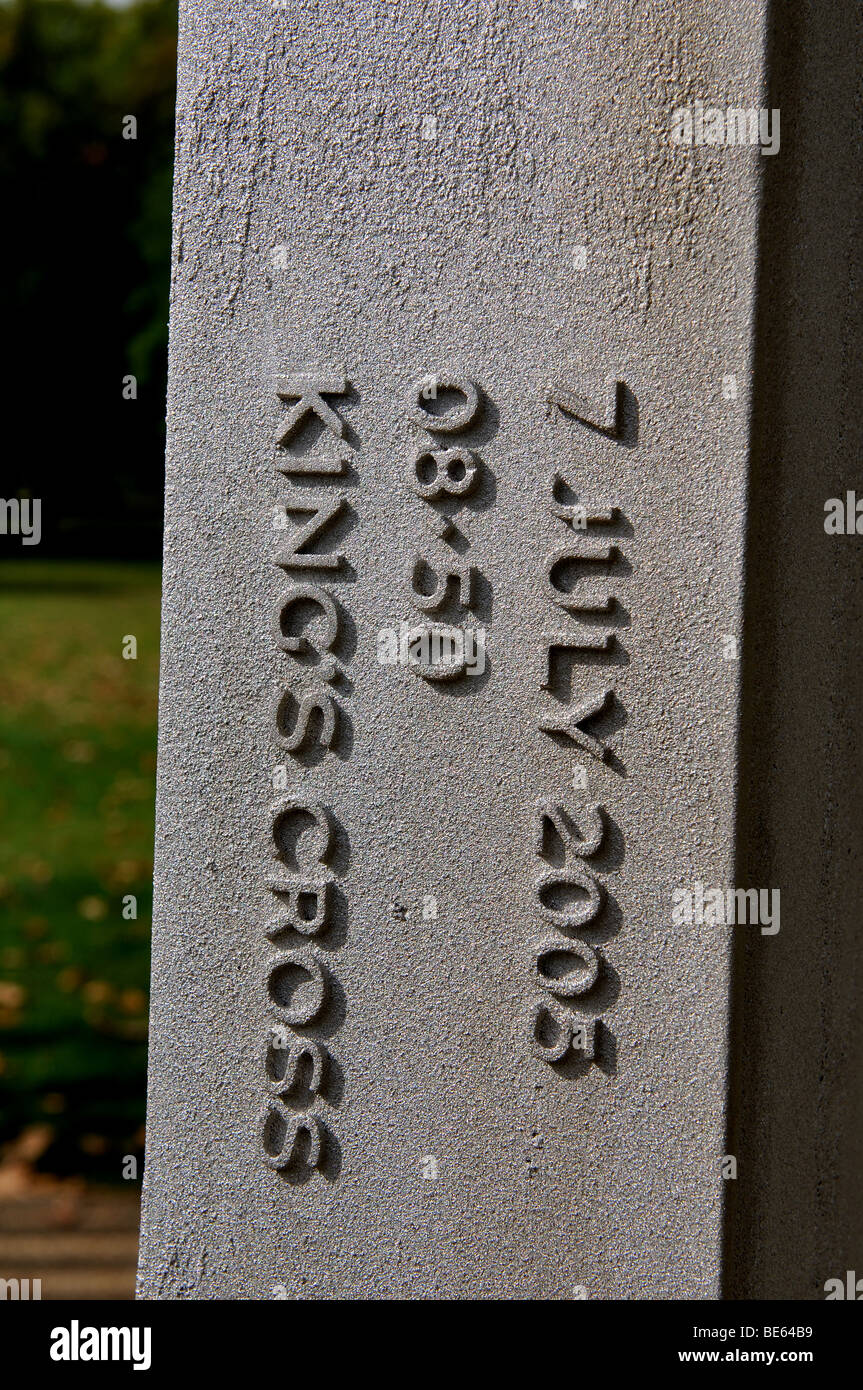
(86, 151)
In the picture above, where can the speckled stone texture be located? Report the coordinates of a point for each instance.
(398, 189)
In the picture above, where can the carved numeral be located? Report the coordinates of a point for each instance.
(566, 967)
(562, 823)
(437, 473)
(455, 576)
(560, 905)
(554, 1031)
(451, 421)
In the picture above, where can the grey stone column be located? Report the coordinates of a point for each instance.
(462, 346)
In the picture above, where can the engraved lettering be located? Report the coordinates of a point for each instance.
(290, 1140)
(583, 639)
(315, 718)
(298, 1065)
(297, 843)
(308, 390)
(324, 510)
(305, 625)
(296, 642)
(586, 709)
(562, 563)
(297, 986)
(569, 895)
(305, 908)
(437, 473)
(566, 967)
(457, 575)
(457, 417)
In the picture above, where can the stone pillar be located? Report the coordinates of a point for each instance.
(461, 389)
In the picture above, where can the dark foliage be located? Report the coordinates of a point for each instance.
(85, 288)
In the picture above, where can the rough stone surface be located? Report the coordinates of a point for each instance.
(324, 221)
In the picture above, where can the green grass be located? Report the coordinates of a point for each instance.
(77, 782)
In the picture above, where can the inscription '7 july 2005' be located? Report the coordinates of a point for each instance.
(308, 842)
(569, 896)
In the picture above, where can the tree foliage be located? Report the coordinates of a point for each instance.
(85, 287)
